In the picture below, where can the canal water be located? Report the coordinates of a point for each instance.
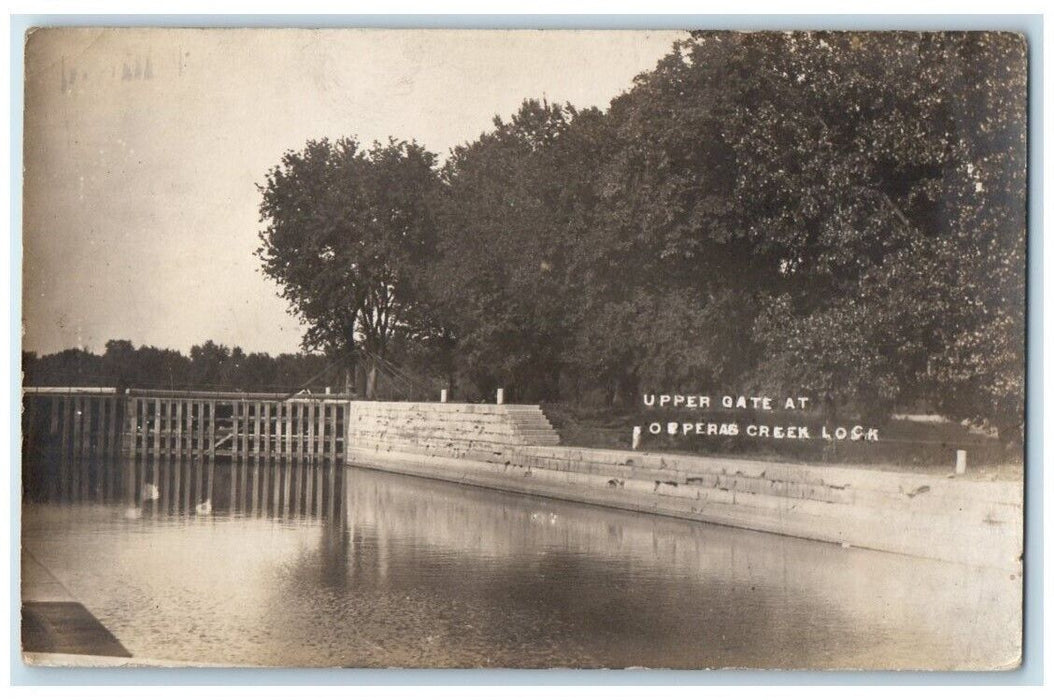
(300, 565)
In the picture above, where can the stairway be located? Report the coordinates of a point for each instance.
(530, 423)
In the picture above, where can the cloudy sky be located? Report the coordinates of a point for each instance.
(143, 149)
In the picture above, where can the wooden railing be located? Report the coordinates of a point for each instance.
(78, 423)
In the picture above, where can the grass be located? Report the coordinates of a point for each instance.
(903, 445)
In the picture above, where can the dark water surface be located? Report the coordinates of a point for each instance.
(316, 566)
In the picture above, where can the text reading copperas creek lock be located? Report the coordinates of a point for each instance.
(778, 432)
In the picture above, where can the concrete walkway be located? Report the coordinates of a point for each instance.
(53, 623)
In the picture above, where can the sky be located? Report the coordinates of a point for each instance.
(143, 148)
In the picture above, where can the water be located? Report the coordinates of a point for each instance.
(316, 566)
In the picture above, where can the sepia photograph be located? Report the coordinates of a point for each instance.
(523, 349)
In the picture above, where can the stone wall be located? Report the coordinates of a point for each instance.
(513, 448)
(447, 429)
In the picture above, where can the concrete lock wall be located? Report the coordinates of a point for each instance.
(514, 448)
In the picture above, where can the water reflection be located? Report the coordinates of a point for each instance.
(314, 566)
(191, 487)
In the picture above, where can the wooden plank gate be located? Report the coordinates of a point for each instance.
(96, 423)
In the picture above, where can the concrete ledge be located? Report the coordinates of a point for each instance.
(55, 626)
(975, 532)
(55, 660)
(449, 426)
(66, 627)
(511, 448)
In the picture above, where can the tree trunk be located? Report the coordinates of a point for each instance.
(371, 381)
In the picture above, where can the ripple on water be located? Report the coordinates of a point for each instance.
(412, 573)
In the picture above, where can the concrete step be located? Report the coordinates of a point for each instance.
(453, 434)
(530, 421)
(457, 424)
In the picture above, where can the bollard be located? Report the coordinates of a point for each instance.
(960, 461)
(636, 436)
(501, 396)
(327, 389)
(442, 396)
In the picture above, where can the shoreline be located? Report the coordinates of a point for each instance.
(953, 537)
(970, 521)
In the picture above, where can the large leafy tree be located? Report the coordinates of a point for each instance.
(914, 288)
(517, 201)
(347, 230)
(834, 213)
(859, 195)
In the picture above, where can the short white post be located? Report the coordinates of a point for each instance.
(960, 461)
(327, 389)
(442, 396)
(636, 436)
(501, 396)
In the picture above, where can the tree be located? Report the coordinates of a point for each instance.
(861, 196)
(838, 213)
(516, 203)
(347, 231)
(209, 366)
(207, 363)
(119, 362)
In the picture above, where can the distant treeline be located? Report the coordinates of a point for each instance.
(833, 214)
(209, 367)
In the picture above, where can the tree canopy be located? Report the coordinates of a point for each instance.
(839, 213)
(208, 366)
(347, 230)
